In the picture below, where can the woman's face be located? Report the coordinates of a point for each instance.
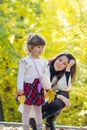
(61, 63)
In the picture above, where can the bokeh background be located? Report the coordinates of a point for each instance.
(64, 25)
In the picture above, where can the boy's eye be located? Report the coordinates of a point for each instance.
(41, 47)
(38, 46)
(60, 59)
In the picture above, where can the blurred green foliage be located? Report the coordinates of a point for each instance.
(64, 25)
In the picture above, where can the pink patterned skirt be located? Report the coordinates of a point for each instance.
(33, 96)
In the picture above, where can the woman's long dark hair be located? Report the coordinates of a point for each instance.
(72, 70)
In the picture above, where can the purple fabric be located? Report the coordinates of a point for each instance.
(39, 87)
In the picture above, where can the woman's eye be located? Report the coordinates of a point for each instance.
(65, 64)
(62, 61)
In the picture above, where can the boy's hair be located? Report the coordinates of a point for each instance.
(35, 39)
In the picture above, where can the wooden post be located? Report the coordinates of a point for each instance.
(1, 111)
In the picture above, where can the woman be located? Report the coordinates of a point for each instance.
(62, 71)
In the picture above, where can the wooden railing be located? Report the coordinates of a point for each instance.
(14, 124)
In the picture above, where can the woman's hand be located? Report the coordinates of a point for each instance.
(70, 64)
(67, 103)
(65, 100)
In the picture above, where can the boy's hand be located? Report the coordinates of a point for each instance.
(21, 96)
(20, 92)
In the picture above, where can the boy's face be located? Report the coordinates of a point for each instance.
(37, 50)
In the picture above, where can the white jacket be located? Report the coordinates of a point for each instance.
(27, 72)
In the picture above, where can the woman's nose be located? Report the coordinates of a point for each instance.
(60, 63)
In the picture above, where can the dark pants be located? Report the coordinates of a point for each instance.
(51, 111)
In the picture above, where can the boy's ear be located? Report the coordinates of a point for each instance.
(30, 48)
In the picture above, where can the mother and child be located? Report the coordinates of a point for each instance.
(61, 72)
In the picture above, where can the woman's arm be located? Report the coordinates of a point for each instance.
(65, 100)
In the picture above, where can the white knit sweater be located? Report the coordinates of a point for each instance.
(27, 72)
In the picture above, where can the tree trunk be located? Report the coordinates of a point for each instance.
(1, 111)
(1, 1)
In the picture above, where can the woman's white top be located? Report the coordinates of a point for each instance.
(27, 72)
(61, 84)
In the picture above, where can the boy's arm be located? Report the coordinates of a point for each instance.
(20, 81)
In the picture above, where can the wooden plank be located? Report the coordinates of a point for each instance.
(10, 123)
(15, 124)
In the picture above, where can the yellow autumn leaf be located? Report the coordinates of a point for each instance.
(22, 99)
(50, 95)
(11, 38)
